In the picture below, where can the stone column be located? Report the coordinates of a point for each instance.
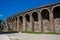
(39, 22)
(23, 28)
(15, 24)
(18, 24)
(51, 22)
(31, 23)
(12, 24)
(6, 25)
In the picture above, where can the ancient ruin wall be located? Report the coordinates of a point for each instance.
(42, 19)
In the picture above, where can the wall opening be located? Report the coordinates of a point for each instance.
(45, 14)
(35, 16)
(21, 19)
(56, 12)
(27, 17)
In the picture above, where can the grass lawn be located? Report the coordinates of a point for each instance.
(41, 32)
(12, 31)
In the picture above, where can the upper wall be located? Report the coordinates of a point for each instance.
(39, 9)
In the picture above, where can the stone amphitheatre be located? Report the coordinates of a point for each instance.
(42, 19)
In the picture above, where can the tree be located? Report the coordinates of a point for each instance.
(0, 22)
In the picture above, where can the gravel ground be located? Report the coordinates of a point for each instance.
(25, 36)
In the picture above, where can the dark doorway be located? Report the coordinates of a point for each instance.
(35, 16)
(27, 17)
(56, 12)
(45, 14)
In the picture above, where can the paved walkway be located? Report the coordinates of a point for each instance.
(4, 37)
(25, 36)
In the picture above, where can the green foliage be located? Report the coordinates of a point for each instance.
(13, 31)
(0, 22)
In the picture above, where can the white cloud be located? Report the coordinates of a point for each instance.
(1, 15)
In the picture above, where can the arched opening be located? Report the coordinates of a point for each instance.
(56, 12)
(45, 20)
(21, 19)
(45, 14)
(35, 21)
(27, 23)
(27, 17)
(35, 16)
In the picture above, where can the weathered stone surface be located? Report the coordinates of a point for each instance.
(46, 26)
(37, 21)
(57, 24)
(36, 28)
(28, 26)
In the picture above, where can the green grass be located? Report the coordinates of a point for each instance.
(10, 31)
(41, 32)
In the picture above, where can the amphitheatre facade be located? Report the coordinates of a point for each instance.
(41, 19)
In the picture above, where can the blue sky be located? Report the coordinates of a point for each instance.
(11, 7)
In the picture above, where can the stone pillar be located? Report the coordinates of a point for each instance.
(31, 23)
(51, 22)
(18, 28)
(6, 25)
(16, 23)
(23, 28)
(39, 22)
(13, 25)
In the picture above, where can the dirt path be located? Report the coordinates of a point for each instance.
(25, 36)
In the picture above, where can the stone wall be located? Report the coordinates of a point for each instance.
(39, 22)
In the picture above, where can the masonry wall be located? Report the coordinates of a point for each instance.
(43, 19)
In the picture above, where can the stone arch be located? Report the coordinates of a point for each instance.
(56, 12)
(35, 16)
(27, 22)
(35, 27)
(56, 15)
(45, 20)
(27, 16)
(45, 14)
